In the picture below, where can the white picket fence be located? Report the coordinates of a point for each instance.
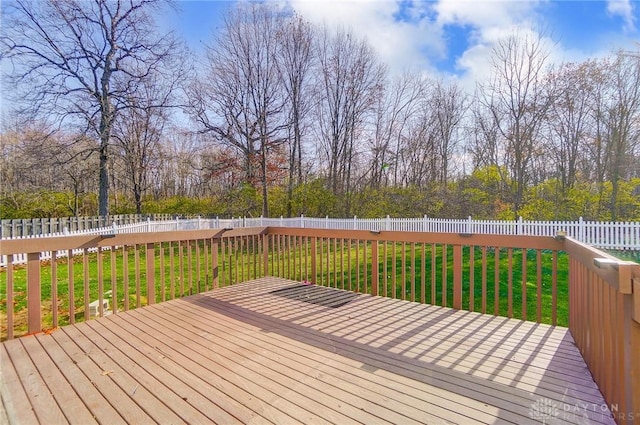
(604, 235)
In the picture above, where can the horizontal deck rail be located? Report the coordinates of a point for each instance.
(511, 275)
(601, 234)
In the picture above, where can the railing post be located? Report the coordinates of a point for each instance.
(214, 262)
(265, 254)
(374, 268)
(314, 253)
(457, 277)
(34, 296)
(151, 274)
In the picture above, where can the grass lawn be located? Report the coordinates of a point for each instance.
(182, 270)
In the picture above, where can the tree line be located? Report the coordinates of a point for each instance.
(282, 117)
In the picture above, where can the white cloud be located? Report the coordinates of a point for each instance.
(414, 34)
(401, 44)
(624, 9)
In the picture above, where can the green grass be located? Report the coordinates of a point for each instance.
(338, 274)
(188, 271)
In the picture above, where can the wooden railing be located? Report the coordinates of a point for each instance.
(515, 276)
(122, 271)
(605, 323)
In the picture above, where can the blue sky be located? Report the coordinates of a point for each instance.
(449, 37)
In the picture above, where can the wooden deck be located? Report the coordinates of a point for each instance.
(280, 352)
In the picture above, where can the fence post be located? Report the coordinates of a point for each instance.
(355, 223)
(519, 226)
(302, 220)
(469, 225)
(148, 224)
(387, 225)
(581, 232)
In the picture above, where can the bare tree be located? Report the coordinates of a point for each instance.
(517, 102)
(350, 83)
(569, 117)
(395, 113)
(239, 99)
(448, 104)
(80, 61)
(137, 133)
(296, 59)
(622, 120)
(36, 160)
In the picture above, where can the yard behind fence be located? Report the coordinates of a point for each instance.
(603, 235)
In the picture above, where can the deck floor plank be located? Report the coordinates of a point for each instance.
(242, 404)
(121, 377)
(285, 351)
(42, 400)
(99, 407)
(151, 362)
(121, 401)
(58, 386)
(450, 382)
(212, 361)
(16, 406)
(131, 361)
(307, 379)
(275, 351)
(485, 357)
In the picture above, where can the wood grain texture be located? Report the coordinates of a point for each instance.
(275, 351)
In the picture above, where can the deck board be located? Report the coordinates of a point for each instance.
(273, 351)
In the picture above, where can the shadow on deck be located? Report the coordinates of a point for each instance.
(277, 351)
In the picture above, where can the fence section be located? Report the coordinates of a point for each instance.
(604, 235)
(17, 228)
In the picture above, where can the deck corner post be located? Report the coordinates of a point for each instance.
(34, 296)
